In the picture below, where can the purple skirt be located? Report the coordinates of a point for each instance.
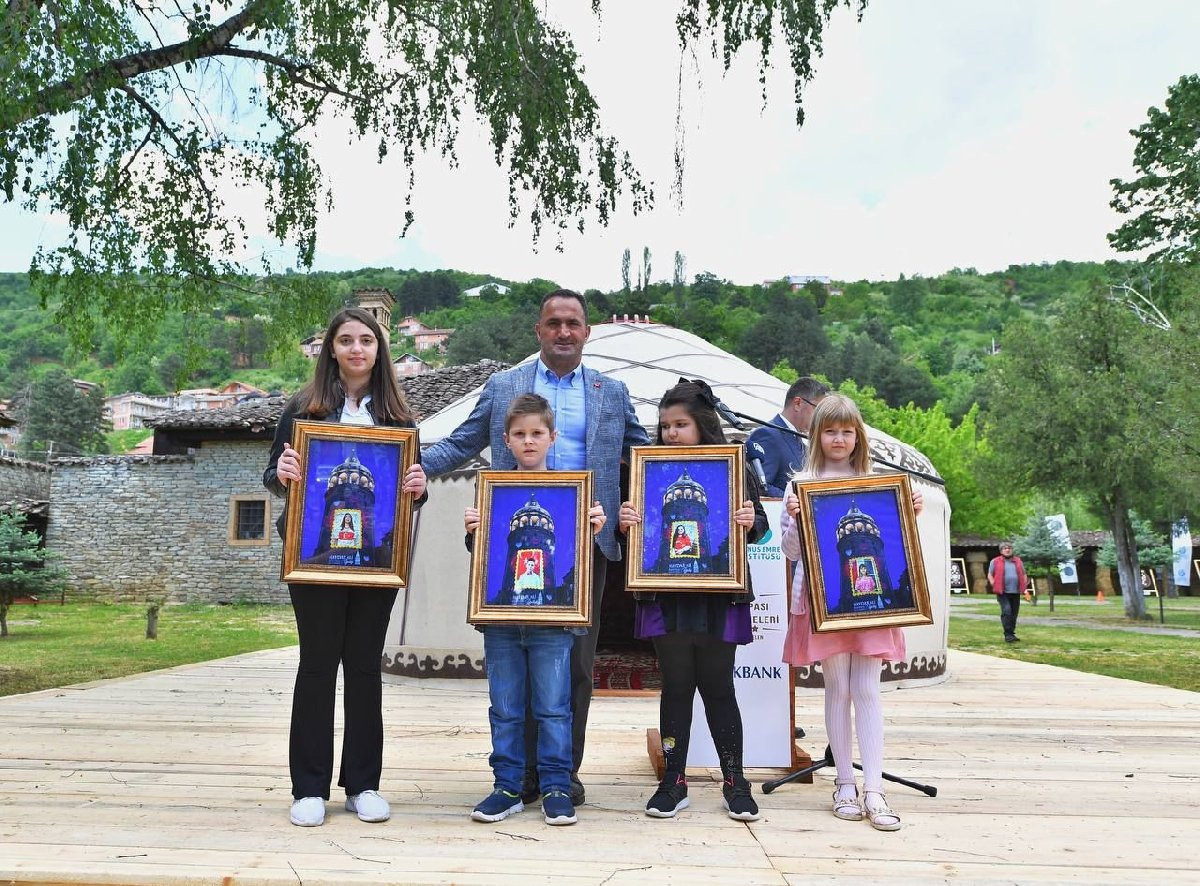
(648, 622)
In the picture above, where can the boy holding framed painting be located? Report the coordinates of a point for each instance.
(529, 607)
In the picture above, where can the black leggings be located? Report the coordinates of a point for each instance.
(698, 661)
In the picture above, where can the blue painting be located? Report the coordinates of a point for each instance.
(531, 531)
(350, 496)
(864, 568)
(686, 521)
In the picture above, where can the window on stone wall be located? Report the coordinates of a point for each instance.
(249, 519)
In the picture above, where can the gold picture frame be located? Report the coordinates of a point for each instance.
(686, 496)
(531, 558)
(348, 523)
(862, 556)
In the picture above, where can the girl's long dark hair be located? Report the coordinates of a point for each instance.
(701, 405)
(325, 393)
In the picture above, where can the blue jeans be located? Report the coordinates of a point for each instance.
(544, 655)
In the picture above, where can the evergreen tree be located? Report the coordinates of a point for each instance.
(1040, 549)
(25, 568)
(59, 419)
(1153, 548)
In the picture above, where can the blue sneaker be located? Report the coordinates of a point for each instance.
(558, 808)
(497, 806)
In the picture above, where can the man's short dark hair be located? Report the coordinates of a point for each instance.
(565, 293)
(529, 404)
(808, 388)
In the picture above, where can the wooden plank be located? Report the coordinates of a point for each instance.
(1043, 775)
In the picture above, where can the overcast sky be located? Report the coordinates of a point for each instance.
(939, 134)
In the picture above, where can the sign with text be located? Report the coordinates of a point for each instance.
(760, 675)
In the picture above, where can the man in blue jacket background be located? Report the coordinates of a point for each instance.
(776, 446)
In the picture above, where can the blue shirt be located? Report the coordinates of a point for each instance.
(566, 397)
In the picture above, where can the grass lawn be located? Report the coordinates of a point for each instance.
(1181, 612)
(51, 645)
(1045, 639)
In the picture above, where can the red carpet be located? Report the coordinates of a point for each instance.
(626, 669)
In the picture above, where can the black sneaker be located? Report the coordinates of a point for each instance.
(578, 795)
(670, 797)
(530, 788)
(738, 800)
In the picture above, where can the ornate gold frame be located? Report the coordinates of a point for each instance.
(637, 578)
(395, 575)
(479, 611)
(888, 491)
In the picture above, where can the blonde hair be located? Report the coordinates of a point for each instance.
(837, 409)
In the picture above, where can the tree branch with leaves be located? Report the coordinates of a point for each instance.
(132, 120)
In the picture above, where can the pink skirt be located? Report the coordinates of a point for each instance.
(804, 646)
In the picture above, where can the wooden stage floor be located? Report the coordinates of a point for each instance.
(1044, 776)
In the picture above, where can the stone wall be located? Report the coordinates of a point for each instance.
(22, 480)
(130, 528)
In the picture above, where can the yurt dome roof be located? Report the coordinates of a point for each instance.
(651, 357)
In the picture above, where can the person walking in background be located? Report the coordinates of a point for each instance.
(851, 660)
(696, 634)
(778, 447)
(596, 425)
(1006, 575)
(353, 383)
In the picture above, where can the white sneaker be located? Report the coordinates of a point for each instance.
(308, 812)
(369, 806)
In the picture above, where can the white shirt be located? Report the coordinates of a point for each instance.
(359, 416)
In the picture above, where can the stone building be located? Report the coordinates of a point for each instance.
(192, 522)
(25, 488)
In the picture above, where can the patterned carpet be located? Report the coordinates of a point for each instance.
(626, 669)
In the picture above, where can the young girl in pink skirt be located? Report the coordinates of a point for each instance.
(850, 660)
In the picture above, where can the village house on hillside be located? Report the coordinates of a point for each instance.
(408, 365)
(192, 521)
(134, 409)
(424, 337)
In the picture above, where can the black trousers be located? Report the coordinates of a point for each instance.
(343, 626)
(698, 661)
(583, 660)
(1010, 605)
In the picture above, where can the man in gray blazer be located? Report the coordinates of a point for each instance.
(596, 426)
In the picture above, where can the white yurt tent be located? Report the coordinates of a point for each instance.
(428, 635)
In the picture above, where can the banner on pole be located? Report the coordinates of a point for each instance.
(760, 676)
(1057, 523)
(1181, 547)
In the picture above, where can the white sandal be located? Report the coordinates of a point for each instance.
(879, 813)
(846, 808)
